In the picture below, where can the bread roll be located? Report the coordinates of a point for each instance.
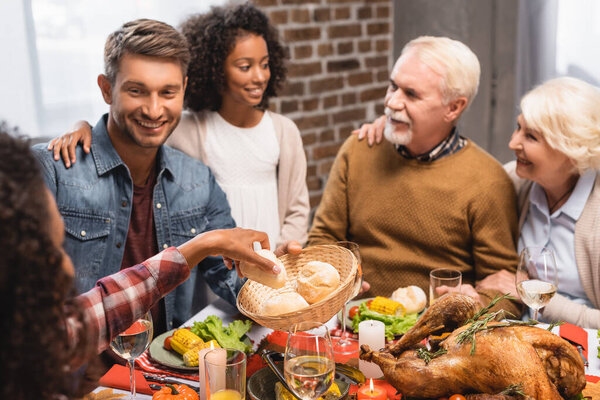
(283, 303)
(317, 280)
(253, 273)
(413, 298)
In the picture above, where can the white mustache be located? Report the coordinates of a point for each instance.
(397, 116)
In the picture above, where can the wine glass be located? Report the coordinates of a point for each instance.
(308, 364)
(536, 278)
(132, 342)
(344, 346)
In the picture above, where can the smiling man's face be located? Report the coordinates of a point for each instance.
(146, 100)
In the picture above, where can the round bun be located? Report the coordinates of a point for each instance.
(253, 273)
(413, 298)
(317, 280)
(283, 303)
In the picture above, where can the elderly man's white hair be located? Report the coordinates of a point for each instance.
(566, 112)
(453, 61)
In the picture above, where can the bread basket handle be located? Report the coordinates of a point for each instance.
(267, 356)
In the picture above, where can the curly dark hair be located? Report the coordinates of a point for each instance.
(32, 280)
(212, 37)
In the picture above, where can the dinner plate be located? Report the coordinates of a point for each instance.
(166, 357)
(261, 385)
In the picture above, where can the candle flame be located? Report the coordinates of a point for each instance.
(212, 345)
(371, 385)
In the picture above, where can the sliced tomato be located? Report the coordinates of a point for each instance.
(167, 343)
(369, 304)
(457, 397)
(353, 311)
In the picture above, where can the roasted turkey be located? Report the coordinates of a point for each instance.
(545, 365)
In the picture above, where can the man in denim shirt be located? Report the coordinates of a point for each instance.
(131, 196)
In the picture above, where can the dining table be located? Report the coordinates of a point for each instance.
(229, 313)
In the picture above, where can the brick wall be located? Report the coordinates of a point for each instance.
(340, 54)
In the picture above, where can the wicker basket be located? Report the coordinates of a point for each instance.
(253, 294)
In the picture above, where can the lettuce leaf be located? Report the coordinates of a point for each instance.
(393, 325)
(227, 337)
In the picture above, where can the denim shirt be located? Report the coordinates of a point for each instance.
(94, 197)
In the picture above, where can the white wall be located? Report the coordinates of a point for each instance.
(17, 104)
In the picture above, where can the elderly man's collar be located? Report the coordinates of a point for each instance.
(450, 145)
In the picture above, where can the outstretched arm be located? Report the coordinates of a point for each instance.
(65, 145)
(119, 299)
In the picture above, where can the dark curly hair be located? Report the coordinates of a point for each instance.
(32, 280)
(212, 37)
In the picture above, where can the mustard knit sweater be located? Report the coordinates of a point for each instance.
(411, 217)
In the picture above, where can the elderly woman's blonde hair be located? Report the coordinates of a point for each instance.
(566, 112)
(453, 60)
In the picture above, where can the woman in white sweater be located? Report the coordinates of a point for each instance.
(557, 146)
(256, 155)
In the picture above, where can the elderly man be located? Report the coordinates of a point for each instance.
(427, 198)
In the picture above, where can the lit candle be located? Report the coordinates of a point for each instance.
(371, 392)
(371, 333)
(226, 394)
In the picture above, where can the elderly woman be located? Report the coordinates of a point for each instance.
(44, 335)
(557, 145)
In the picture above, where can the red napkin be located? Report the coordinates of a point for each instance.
(118, 377)
(148, 365)
(575, 334)
(592, 378)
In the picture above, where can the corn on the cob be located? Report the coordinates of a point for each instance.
(190, 358)
(383, 305)
(184, 340)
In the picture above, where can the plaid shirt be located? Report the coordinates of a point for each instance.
(453, 143)
(119, 300)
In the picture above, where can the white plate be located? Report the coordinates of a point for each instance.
(349, 305)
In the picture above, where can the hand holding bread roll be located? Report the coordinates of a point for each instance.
(317, 280)
(275, 281)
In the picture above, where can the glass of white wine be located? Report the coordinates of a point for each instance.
(132, 342)
(309, 366)
(536, 278)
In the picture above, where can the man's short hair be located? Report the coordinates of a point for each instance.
(453, 61)
(566, 112)
(144, 37)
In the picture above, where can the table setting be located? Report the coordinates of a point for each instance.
(313, 352)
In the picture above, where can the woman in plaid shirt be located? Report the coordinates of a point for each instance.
(45, 336)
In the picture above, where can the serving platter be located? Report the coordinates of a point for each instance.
(165, 357)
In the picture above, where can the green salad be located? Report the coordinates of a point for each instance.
(227, 337)
(393, 325)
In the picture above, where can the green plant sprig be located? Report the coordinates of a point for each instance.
(513, 390)
(487, 308)
(427, 356)
(468, 335)
(554, 324)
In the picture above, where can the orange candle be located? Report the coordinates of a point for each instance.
(372, 392)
